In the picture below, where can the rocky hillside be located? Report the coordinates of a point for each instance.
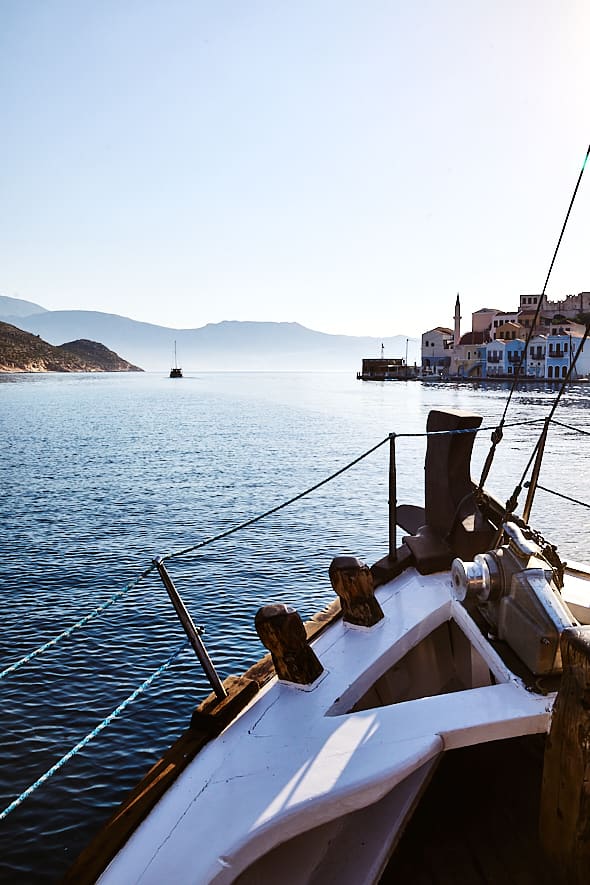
(22, 352)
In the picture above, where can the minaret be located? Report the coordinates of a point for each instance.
(457, 337)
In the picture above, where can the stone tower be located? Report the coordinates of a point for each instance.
(457, 336)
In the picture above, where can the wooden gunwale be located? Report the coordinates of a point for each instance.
(209, 720)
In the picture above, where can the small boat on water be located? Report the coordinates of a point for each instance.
(307, 768)
(175, 371)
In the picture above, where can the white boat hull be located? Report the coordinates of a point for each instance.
(341, 761)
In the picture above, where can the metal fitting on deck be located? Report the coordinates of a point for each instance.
(516, 589)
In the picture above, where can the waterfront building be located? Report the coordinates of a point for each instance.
(527, 317)
(513, 353)
(535, 365)
(386, 369)
(571, 306)
(469, 356)
(481, 320)
(494, 347)
(500, 320)
(503, 357)
(582, 367)
(563, 327)
(437, 349)
(508, 330)
(495, 358)
(559, 356)
(530, 302)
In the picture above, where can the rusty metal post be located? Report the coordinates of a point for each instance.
(190, 629)
(392, 500)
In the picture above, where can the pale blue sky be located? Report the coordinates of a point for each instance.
(346, 165)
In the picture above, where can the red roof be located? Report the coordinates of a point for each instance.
(473, 338)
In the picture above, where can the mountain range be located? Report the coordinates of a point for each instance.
(225, 346)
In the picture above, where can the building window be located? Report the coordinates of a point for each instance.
(550, 372)
(563, 371)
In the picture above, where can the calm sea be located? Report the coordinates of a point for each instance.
(101, 473)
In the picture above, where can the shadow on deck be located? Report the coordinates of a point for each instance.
(478, 821)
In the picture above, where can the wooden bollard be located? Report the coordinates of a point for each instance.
(565, 798)
(282, 632)
(353, 582)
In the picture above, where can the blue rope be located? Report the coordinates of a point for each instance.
(77, 625)
(81, 744)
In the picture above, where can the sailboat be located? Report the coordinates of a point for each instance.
(175, 371)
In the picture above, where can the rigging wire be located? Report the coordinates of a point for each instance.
(565, 497)
(497, 433)
(569, 427)
(328, 479)
(276, 509)
(513, 500)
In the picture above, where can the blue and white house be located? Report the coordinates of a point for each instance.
(496, 358)
(513, 351)
(559, 355)
(535, 365)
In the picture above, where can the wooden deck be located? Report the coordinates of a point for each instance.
(478, 820)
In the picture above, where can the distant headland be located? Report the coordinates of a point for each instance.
(24, 352)
(236, 346)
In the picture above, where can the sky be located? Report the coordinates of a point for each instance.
(350, 166)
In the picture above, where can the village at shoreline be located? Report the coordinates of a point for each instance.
(539, 342)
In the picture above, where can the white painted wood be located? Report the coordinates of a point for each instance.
(297, 761)
(576, 593)
(354, 848)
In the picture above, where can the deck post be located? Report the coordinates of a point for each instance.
(392, 500)
(353, 582)
(282, 632)
(565, 800)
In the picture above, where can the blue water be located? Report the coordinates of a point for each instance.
(100, 473)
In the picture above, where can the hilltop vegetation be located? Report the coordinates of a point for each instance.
(23, 352)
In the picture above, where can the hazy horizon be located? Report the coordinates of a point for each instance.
(350, 169)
